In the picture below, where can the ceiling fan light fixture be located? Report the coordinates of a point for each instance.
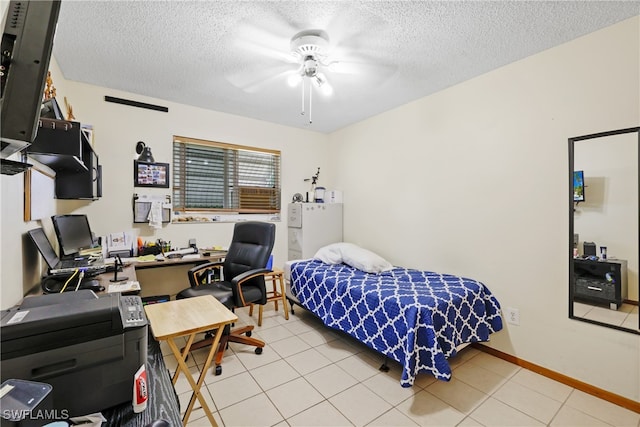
(326, 89)
(310, 66)
(294, 80)
(310, 46)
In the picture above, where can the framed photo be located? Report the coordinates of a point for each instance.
(147, 174)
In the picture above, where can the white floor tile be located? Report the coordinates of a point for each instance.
(233, 390)
(317, 337)
(360, 405)
(231, 366)
(493, 364)
(274, 334)
(289, 346)
(337, 350)
(360, 366)
(570, 417)
(294, 397)
(392, 418)
(470, 422)
(602, 410)
(330, 380)
(457, 394)
(477, 376)
(308, 361)
(542, 385)
(426, 409)
(250, 360)
(274, 374)
(494, 413)
(529, 401)
(255, 411)
(321, 415)
(389, 389)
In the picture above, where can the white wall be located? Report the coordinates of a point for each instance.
(473, 180)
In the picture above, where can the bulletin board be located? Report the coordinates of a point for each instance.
(39, 194)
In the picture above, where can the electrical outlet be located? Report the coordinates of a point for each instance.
(513, 316)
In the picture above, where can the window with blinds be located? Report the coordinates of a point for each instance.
(218, 177)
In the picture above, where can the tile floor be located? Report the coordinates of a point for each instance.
(309, 375)
(625, 316)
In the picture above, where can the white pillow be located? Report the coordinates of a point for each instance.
(353, 255)
(330, 254)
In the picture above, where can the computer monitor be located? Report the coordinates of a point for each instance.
(73, 233)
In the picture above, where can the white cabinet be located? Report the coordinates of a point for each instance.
(312, 226)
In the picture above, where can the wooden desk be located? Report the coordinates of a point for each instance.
(159, 277)
(188, 317)
(214, 256)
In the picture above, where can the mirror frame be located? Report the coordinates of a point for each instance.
(572, 142)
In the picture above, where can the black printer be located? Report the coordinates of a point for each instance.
(87, 347)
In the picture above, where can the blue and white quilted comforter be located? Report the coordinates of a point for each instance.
(415, 317)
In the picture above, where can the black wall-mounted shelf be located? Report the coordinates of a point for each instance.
(66, 148)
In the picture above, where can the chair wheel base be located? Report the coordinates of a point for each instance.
(258, 350)
(248, 333)
(218, 370)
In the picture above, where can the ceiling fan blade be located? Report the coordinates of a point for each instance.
(344, 36)
(251, 78)
(260, 42)
(265, 31)
(260, 85)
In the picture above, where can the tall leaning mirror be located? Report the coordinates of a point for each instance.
(604, 237)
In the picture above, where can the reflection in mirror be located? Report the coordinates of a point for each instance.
(603, 226)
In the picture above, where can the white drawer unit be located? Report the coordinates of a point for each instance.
(312, 226)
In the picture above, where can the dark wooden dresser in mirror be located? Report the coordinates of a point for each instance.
(604, 231)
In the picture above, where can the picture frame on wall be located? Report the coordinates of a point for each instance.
(146, 174)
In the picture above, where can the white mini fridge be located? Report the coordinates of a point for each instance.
(312, 226)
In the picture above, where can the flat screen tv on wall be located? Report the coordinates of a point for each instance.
(27, 40)
(578, 186)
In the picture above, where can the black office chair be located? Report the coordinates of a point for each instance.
(236, 282)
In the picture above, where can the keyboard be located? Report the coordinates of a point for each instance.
(72, 263)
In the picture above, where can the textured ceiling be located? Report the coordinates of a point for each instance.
(232, 56)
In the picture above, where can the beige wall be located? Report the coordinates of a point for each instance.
(473, 180)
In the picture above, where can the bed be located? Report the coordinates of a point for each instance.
(417, 318)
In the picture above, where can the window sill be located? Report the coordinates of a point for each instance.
(207, 217)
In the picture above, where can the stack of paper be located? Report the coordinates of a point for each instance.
(129, 286)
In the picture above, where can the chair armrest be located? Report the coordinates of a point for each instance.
(236, 283)
(240, 278)
(196, 273)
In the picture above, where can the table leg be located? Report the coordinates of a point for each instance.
(196, 385)
(183, 356)
(284, 297)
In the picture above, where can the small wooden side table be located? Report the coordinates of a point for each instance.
(188, 317)
(277, 278)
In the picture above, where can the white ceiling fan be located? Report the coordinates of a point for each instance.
(311, 62)
(310, 48)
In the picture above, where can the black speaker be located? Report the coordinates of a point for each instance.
(589, 249)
